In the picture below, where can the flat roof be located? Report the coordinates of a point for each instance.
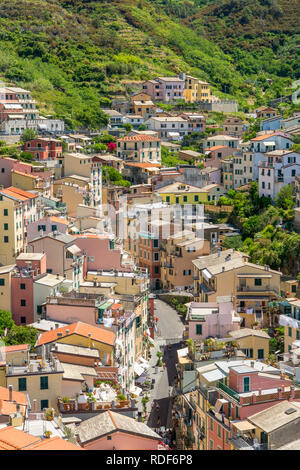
(276, 416)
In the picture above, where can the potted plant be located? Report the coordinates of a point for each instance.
(48, 434)
(49, 414)
(66, 403)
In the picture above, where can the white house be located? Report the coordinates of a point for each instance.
(173, 128)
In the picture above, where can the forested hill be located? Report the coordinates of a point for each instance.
(76, 54)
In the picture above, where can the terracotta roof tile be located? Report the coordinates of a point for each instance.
(59, 220)
(55, 443)
(16, 347)
(18, 193)
(139, 138)
(15, 438)
(19, 397)
(82, 329)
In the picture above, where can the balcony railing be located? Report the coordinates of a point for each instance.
(229, 391)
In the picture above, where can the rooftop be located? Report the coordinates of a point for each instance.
(82, 329)
(108, 422)
(75, 350)
(30, 256)
(276, 416)
(244, 332)
(16, 193)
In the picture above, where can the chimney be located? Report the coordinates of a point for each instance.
(43, 353)
(31, 367)
(57, 276)
(10, 388)
(223, 269)
(56, 326)
(279, 393)
(252, 363)
(254, 398)
(18, 407)
(292, 394)
(34, 406)
(259, 392)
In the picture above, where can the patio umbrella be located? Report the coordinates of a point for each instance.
(141, 379)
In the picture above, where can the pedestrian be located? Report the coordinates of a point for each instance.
(157, 406)
(164, 366)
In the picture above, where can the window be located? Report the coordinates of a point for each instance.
(198, 329)
(257, 282)
(22, 384)
(44, 383)
(290, 331)
(211, 424)
(211, 444)
(49, 271)
(260, 353)
(246, 384)
(2, 282)
(5, 239)
(53, 228)
(5, 211)
(219, 430)
(23, 303)
(109, 438)
(226, 437)
(156, 256)
(168, 199)
(44, 404)
(155, 243)
(6, 227)
(22, 286)
(196, 198)
(23, 320)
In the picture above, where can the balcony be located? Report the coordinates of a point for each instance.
(229, 391)
(267, 289)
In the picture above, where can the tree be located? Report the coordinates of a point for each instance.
(128, 127)
(21, 335)
(142, 127)
(6, 321)
(28, 134)
(285, 198)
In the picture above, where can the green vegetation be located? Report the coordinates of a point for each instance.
(170, 159)
(12, 334)
(267, 234)
(75, 55)
(112, 176)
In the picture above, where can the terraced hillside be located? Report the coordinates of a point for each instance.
(76, 54)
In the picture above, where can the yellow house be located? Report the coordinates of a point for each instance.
(11, 230)
(253, 343)
(80, 334)
(5, 287)
(181, 193)
(252, 286)
(196, 90)
(41, 380)
(291, 333)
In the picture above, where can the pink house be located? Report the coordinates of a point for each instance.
(100, 252)
(7, 165)
(29, 267)
(45, 226)
(215, 154)
(211, 319)
(115, 431)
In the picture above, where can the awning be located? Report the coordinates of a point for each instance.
(145, 364)
(219, 403)
(138, 369)
(270, 144)
(135, 390)
(243, 426)
(74, 249)
(206, 274)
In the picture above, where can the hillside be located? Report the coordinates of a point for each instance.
(76, 54)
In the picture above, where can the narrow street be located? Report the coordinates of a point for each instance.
(170, 330)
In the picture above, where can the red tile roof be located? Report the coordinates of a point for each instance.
(55, 443)
(59, 220)
(18, 193)
(216, 147)
(81, 329)
(266, 136)
(15, 439)
(16, 347)
(139, 138)
(143, 165)
(18, 397)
